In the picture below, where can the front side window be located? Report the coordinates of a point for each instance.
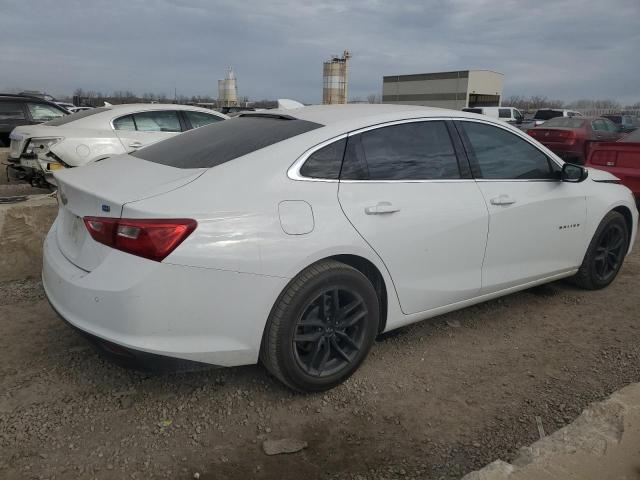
(599, 125)
(11, 111)
(157, 121)
(409, 151)
(41, 112)
(499, 154)
(200, 119)
(325, 162)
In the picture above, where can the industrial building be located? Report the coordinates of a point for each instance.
(334, 79)
(454, 90)
(228, 90)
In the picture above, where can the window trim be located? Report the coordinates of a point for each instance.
(473, 162)
(294, 170)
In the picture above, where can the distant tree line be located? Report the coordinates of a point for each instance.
(536, 101)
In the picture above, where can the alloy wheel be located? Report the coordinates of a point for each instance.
(609, 253)
(330, 332)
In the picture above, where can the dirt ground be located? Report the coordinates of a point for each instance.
(434, 400)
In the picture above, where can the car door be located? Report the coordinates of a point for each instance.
(404, 189)
(141, 129)
(536, 221)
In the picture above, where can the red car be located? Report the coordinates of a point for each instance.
(569, 137)
(621, 158)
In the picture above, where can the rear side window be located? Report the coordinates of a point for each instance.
(200, 119)
(325, 162)
(11, 111)
(124, 123)
(599, 125)
(221, 142)
(504, 113)
(41, 112)
(409, 151)
(499, 154)
(157, 121)
(472, 110)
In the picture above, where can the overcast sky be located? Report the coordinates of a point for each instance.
(566, 49)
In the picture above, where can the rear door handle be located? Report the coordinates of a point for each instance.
(381, 208)
(502, 200)
(135, 145)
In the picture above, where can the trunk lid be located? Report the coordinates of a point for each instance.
(553, 135)
(102, 189)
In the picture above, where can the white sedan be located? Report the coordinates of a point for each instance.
(296, 237)
(95, 134)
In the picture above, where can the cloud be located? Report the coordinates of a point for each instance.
(564, 49)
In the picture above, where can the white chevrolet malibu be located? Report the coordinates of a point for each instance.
(92, 135)
(294, 238)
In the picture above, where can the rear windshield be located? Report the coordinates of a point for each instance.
(220, 142)
(565, 122)
(614, 118)
(76, 116)
(547, 114)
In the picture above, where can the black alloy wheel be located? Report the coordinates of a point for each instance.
(610, 252)
(322, 327)
(605, 253)
(330, 332)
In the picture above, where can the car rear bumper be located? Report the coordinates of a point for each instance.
(138, 307)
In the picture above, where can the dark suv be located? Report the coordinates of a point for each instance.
(16, 110)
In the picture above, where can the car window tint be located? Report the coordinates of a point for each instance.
(504, 113)
(11, 111)
(410, 151)
(609, 125)
(500, 154)
(221, 142)
(41, 112)
(547, 114)
(599, 125)
(325, 162)
(124, 123)
(200, 119)
(157, 121)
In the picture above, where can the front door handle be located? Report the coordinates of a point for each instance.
(381, 208)
(502, 200)
(135, 145)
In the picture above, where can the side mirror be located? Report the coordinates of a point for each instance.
(519, 121)
(573, 173)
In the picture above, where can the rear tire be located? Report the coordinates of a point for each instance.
(605, 254)
(321, 328)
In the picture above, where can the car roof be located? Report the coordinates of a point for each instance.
(352, 116)
(16, 96)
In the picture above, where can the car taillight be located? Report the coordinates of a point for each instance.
(153, 239)
(603, 157)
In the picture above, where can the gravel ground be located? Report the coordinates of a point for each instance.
(434, 400)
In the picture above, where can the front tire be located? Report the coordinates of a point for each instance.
(321, 327)
(605, 254)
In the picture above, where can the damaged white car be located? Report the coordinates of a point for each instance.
(85, 137)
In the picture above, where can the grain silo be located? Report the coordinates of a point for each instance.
(228, 90)
(334, 76)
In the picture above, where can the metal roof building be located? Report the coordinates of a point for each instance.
(455, 90)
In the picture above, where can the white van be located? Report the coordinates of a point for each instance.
(508, 114)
